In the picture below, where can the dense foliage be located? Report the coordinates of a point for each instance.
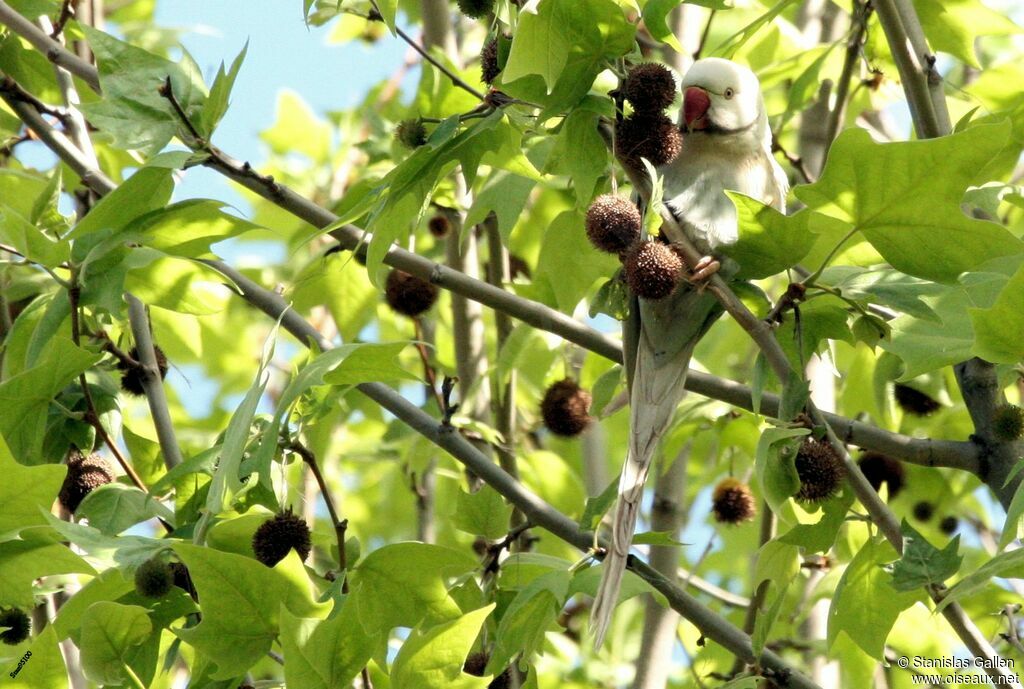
(311, 498)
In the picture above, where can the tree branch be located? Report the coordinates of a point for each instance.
(54, 51)
(152, 383)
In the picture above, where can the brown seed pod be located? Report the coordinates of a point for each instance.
(411, 133)
(820, 469)
(613, 223)
(648, 135)
(85, 474)
(407, 294)
(913, 401)
(279, 534)
(923, 510)
(19, 623)
(652, 270)
(475, 9)
(1008, 423)
(650, 87)
(132, 376)
(439, 225)
(732, 502)
(566, 408)
(489, 69)
(878, 469)
(154, 578)
(949, 525)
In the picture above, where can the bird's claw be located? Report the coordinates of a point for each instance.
(703, 270)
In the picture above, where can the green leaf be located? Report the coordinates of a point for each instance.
(148, 189)
(22, 562)
(865, 605)
(483, 513)
(114, 507)
(42, 666)
(527, 618)
(30, 241)
(773, 464)
(1007, 565)
(242, 600)
(363, 363)
(663, 538)
(769, 241)
(25, 491)
(905, 197)
(132, 111)
(999, 330)
(580, 152)
(324, 654)
(566, 44)
(186, 228)
(598, 505)
(126, 551)
(297, 129)
(433, 659)
(654, 16)
(110, 632)
(217, 104)
(176, 284)
(953, 26)
(819, 536)
(26, 397)
(612, 299)
(922, 563)
(1014, 517)
(504, 194)
(736, 41)
(560, 264)
(403, 583)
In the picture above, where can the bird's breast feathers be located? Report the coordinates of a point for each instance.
(696, 181)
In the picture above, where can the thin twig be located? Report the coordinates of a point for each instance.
(67, 10)
(340, 525)
(859, 20)
(704, 36)
(51, 49)
(795, 161)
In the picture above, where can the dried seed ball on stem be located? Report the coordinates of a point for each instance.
(820, 469)
(566, 408)
(732, 502)
(85, 474)
(652, 270)
(489, 69)
(19, 626)
(650, 87)
(439, 225)
(1008, 423)
(279, 534)
(949, 525)
(913, 401)
(132, 376)
(475, 9)
(648, 135)
(477, 662)
(613, 223)
(407, 294)
(411, 133)
(878, 469)
(154, 578)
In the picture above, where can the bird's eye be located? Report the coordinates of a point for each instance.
(729, 93)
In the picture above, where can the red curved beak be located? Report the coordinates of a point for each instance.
(695, 107)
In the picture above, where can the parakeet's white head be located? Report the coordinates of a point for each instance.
(722, 100)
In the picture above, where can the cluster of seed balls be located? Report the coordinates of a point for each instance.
(412, 133)
(652, 269)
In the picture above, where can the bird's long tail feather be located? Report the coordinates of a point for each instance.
(657, 390)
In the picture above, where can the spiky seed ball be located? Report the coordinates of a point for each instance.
(154, 578)
(923, 510)
(439, 225)
(913, 401)
(652, 270)
(650, 87)
(19, 623)
(878, 469)
(503, 680)
(489, 69)
(475, 663)
(85, 474)
(411, 133)
(613, 223)
(407, 294)
(132, 376)
(732, 502)
(279, 534)
(648, 135)
(820, 469)
(474, 9)
(566, 408)
(1008, 423)
(949, 525)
